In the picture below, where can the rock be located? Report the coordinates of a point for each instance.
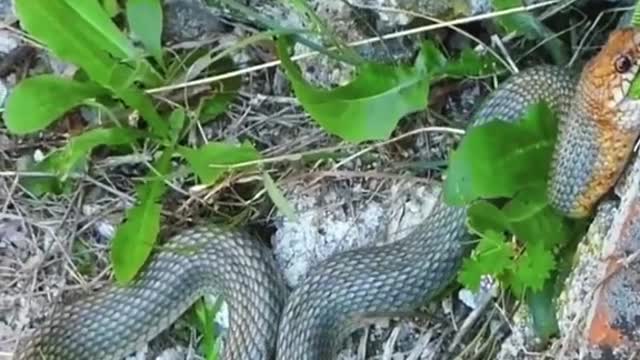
(189, 20)
(333, 219)
(7, 12)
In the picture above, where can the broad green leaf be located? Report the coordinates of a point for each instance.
(80, 32)
(492, 256)
(278, 197)
(145, 20)
(211, 161)
(369, 107)
(499, 158)
(136, 237)
(38, 101)
(526, 203)
(483, 216)
(77, 31)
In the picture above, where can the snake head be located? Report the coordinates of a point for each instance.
(596, 137)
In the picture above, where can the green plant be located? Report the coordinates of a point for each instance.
(114, 75)
(500, 171)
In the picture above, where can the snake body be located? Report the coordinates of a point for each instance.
(598, 125)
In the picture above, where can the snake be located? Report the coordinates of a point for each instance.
(598, 125)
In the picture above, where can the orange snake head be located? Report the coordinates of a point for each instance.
(597, 136)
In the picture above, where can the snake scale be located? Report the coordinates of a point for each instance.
(598, 125)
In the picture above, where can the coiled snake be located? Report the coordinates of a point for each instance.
(598, 127)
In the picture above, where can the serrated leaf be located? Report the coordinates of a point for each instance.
(532, 269)
(278, 198)
(492, 256)
(211, 161)
(369, 107)
(145, 20)
(135, 238)
(499, 158)
(38, 101)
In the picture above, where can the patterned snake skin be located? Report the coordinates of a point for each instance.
(598, 127)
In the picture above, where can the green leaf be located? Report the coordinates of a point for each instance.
(635, 19)
(526, 203)
(136, 237)
(211, 161)
(532, 269)
(205, 314)
(470, 63)
(521, 23)
(278, 198)
(499, 158)
(79, 148)
(432, 61)
(78, 31)
(483, 216)
(38, 101)
(176, 123)
(145, 20)
(141, 102)
(41, 185)
(543, 311)
(369, 107)
(213, 106)
(82, 33)
(533, 220)
(492, 256)
(111, 7)
(527, 25)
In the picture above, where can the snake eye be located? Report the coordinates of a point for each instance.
(623, 64)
